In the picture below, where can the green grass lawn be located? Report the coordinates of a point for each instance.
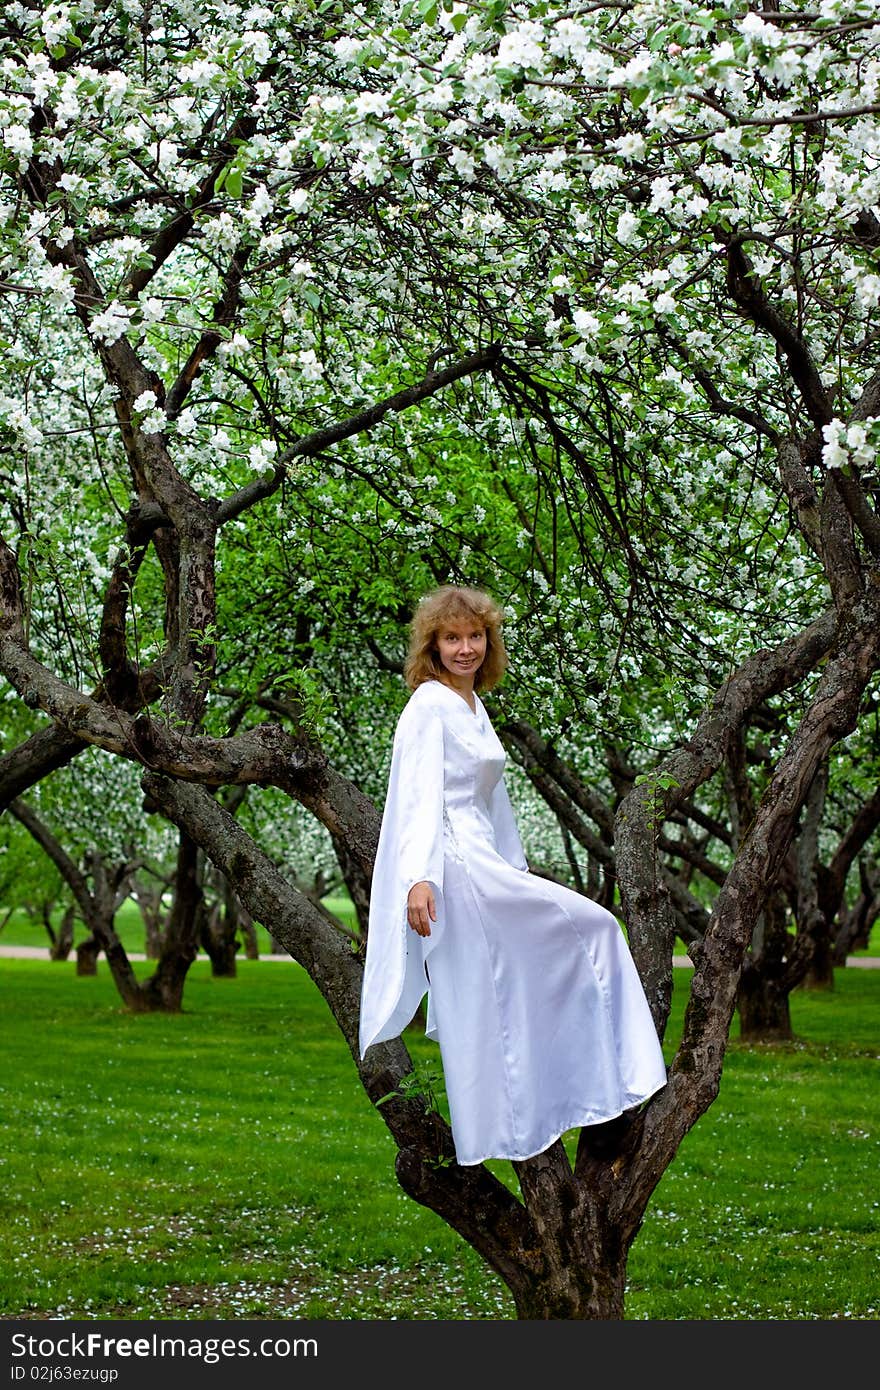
(225, 1164)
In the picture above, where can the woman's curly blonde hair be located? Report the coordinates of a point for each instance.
(446, 605)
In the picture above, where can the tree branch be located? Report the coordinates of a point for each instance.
(747, 293)
(319, 440)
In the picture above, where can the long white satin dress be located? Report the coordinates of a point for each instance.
(533, 995)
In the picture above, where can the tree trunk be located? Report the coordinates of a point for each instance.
(87, 953)
(62, 945)
(356, 881)
(150, 907)
(249, 933)
(763, 1005)
(152, 940)
(854, 927)
(820, 975)
(217, 938)
(164, 989)
(563, 1251)
(590, 1287)
(813, 925)
(762, 996)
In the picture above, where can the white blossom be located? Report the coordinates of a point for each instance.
(111, 323)
(834, 453)
(867, 290)
(18, 140)
(522, 47)
(627, 229)
(586, 323)
(631, 145)
(310, 368)
(262, 455)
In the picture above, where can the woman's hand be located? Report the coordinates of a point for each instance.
(420, 909)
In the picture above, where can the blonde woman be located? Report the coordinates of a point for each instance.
(533, 996)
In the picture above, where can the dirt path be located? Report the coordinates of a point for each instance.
(42, 953)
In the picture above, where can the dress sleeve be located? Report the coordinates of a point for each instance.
(414, 804)
(507, 840)
(410, 850)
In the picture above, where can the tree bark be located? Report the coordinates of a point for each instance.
(764, 1010)
(217, 938)
(854, 928)
(164, 989)
(87, 953)
(762, 997)
(62, 945)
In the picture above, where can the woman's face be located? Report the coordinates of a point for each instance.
(461, 644)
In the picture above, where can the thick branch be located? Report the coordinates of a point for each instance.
(862, 515)
(119, 675)
(224, 313)
(748, 294)
(802, 495)
(29, 762)
(264, 754)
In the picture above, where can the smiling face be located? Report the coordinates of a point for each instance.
(461, 645)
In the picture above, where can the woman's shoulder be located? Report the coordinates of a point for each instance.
(425, 701)
(430, 693)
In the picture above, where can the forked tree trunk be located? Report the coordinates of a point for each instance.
(582, 1272)
(582, 1281)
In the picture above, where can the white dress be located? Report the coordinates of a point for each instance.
(533, 995)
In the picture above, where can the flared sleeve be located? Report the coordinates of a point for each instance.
(507, 839)
(410, 850)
